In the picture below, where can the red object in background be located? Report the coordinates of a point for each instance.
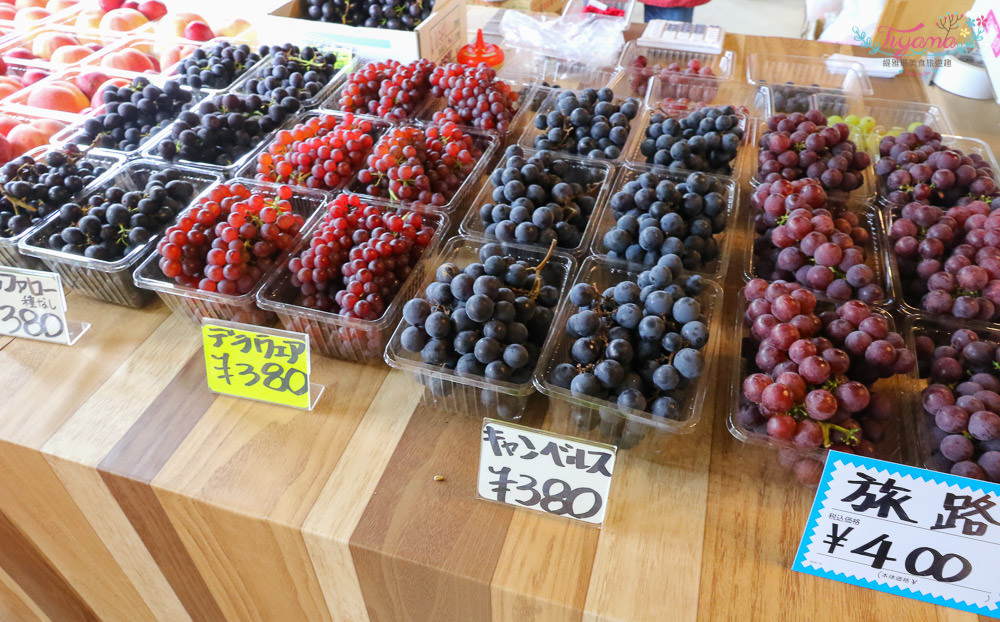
(612, 11)
(480, 52)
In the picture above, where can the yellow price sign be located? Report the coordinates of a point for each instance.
(264, 364)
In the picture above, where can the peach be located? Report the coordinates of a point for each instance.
(59, 5)
(96, 101)
(25, 17)
(110, 5)
(7, 12)
(60, 95)
(8, 123)
(47, 43)
(198, 31)
(235, 28)
(70, 54)
(89, 81)
(8, 86)
(153, 9)
(173, 55)
(122, 20)
(6, 151)
(24, 4)
(33, 75)
(24, 138)
(172, 25)
(18, 52)
(89, 19)
(47, 126)
(128, 60)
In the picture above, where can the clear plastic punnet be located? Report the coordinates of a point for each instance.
(810, 73)
(196, 303)
(9, 253)
(596, 176)
(476, 395)
(334, 334)
(110, 281)
(345, 62)
(638, 64)
(605, 217)
(602, 420)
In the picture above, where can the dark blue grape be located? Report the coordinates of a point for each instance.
(689, 362)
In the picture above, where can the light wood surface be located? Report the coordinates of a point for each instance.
(129, 492)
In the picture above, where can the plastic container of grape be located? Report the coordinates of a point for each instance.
(810, 72)
(899, 440)
(333, 334)
(526, 105)
(961, 143)
(196, 304)
(939, 329)
(110, 281)
(889, 114)
(249, 168)
(346, 61)
(637, 78)
(601, 172)
(602, 420)
(876, 252)
(636, 129)
(605, 218)
(151, 149)
(10, 255)
(487, 142)
(474, 395)
(74, 133)
(172, 71)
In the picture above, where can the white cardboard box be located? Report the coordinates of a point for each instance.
(438, 38)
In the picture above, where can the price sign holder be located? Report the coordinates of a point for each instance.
(930, 536)
(33, 305)
(545, 472)
(257, 363)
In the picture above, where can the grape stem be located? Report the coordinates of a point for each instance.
(850, 434)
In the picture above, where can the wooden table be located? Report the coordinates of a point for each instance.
(130, 492)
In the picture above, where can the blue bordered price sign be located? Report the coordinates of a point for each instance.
(257, 363)
(33, 305)
(541, 471)
(916, 533)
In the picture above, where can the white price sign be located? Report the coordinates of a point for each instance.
(33, 305)
(555, 474)
(930, 536)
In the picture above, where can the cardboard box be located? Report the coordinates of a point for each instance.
(438, 38)
(531, 6)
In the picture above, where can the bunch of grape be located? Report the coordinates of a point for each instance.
(387, 89)
(229, 238)
(291, 72)
(674, 79)
(774, 200)
(474, 96)
(915, 166)
(34, 189)
(810, 378)
(426, 164)
(390, 14)
(539, 199)
(950, 259)
(637, 343)
(224, 128)
(113, 223)
(358, 257)
(320, 153)
(706, 140)
(216, 66)
(131, 113)
(964, 400)
(822, 249)
(488, 319)
(657, 217)
(587, 123)
(801, 145)
(789, 98)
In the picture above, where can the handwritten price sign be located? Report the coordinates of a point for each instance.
(263, 364)
(546, 472)
(925, 535)
(32, 305)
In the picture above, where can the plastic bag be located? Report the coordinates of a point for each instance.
(860, 14)
(592, 39)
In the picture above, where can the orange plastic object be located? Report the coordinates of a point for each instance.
(481, 52)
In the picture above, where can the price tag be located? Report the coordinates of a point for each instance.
(264, 364)
(33, 305)
(532, 469)
(930, 536)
